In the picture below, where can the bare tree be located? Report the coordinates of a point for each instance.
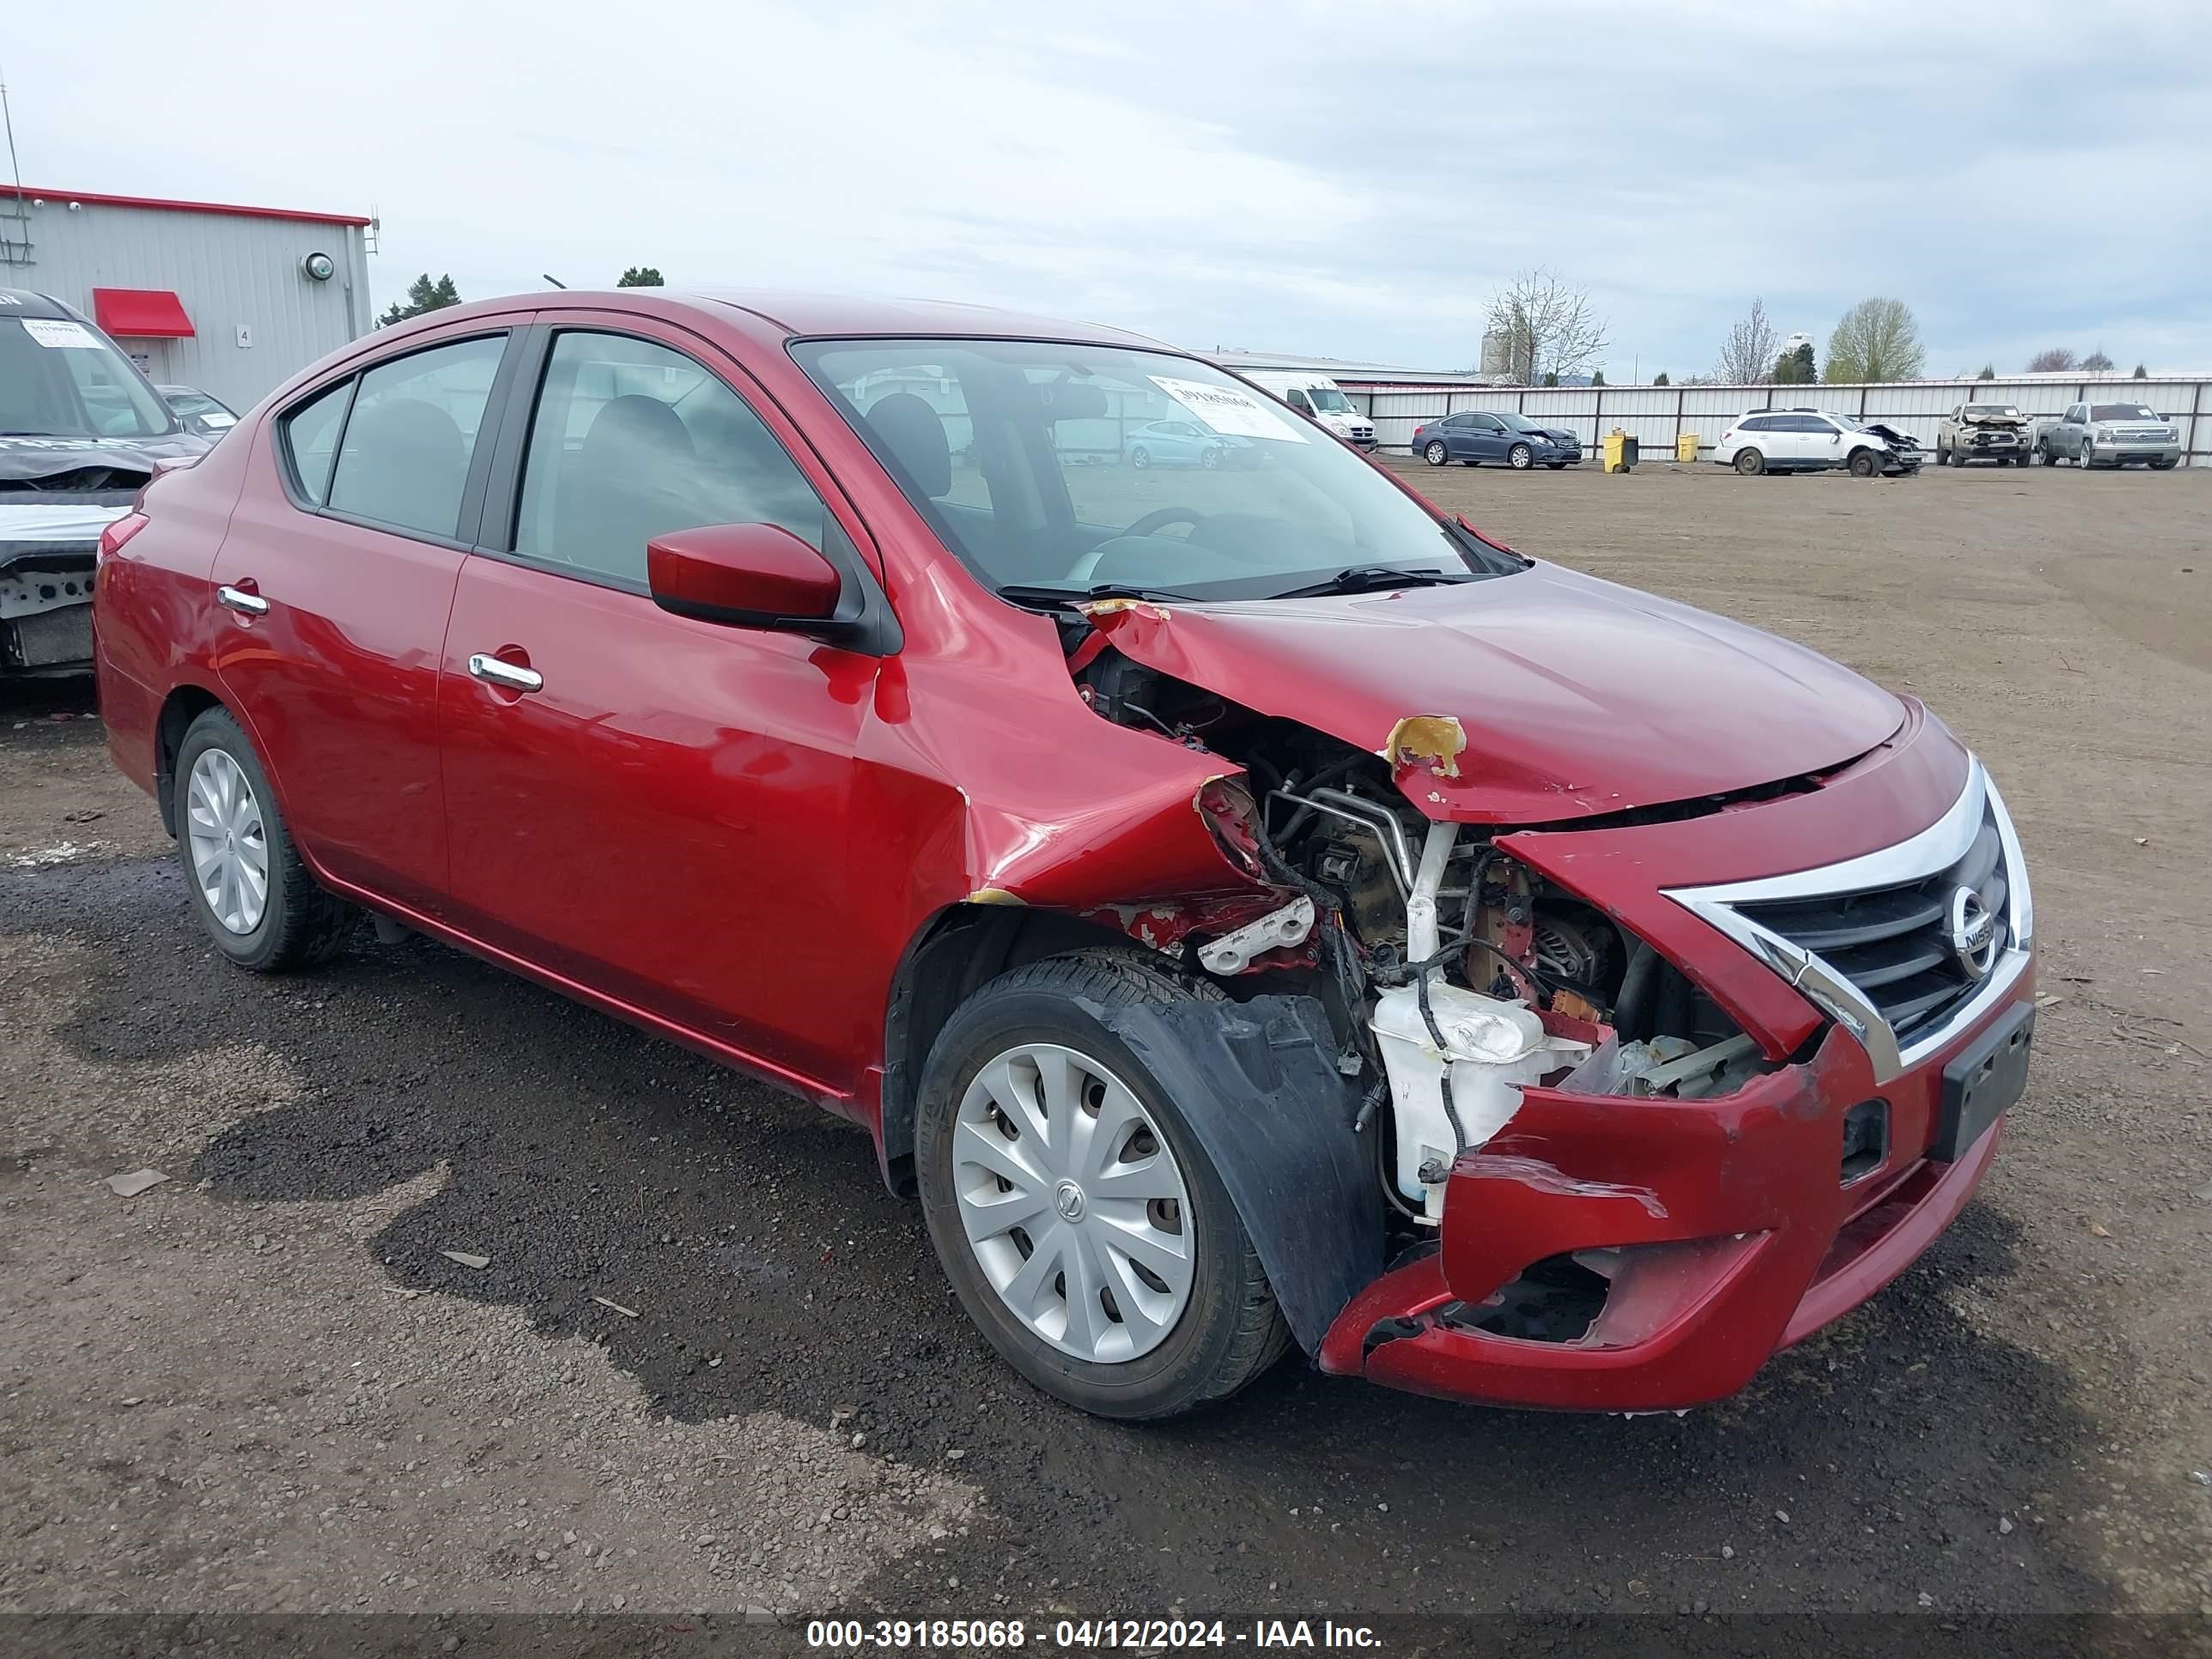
(2097, 364)
(1877, 340)
(2053, 359)
(1748, 354)
(1545, 325)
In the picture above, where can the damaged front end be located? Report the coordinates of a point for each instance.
(1506, 1121)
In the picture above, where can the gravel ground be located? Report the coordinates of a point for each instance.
(263, 1385)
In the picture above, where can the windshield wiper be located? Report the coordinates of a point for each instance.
(1371, 578)
(1051, 593)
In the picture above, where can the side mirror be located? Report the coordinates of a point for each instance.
(744, 575)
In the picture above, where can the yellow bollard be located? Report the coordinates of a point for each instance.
(1685, 447)
(1620, 454)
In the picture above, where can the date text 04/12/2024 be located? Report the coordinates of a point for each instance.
(1142, 1634)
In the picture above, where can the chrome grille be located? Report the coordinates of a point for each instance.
(1870, 941)
(1894, 943)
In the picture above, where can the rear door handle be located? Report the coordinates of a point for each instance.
(493, 672)
(238, 599)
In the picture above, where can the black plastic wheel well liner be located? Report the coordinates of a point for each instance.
(961, 950)
(1258, 1083)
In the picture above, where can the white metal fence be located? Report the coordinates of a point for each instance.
(1655, 414)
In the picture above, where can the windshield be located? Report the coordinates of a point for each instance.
(2121, 412)
(1972, 409)
(1072, 468)
(60, 380)
(1328, 400)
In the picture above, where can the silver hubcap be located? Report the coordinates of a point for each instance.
(229, 843)
(1073, 1203)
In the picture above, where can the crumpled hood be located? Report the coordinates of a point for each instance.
(1560, 434)
(1530, 698)
(58, 494)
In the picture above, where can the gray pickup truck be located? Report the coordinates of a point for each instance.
(2108, 434)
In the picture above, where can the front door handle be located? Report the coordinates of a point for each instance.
(492, 671)
(238, 599)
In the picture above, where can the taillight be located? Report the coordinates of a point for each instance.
(119, 531)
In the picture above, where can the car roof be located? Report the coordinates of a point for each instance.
(802, 314)
(23, 302)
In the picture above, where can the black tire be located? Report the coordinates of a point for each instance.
(1556, 467)
(2164, 463)
(1231, 1331)
(1139, 459)
(301, 926)
(1942, 456)
(2043, 452)
(1750, 463)
(1436, 452)
(1864, 463)
(1519, 455)
(2088, 458)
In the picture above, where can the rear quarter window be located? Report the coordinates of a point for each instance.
(310, 439)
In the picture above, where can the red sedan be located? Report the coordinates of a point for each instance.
(1247, 907)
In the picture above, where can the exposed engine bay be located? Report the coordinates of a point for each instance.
(1452, 975)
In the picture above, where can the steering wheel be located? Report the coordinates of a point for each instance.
(1160, 518)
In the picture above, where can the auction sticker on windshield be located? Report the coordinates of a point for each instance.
(51, 333)
(1229, 411)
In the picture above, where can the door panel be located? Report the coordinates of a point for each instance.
(663, 817)
(331, 654)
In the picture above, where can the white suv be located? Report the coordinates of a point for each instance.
(1812, 440)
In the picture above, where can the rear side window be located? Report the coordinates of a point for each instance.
(631, 440)
(404, 458)
(1758, 423)
(311, 441)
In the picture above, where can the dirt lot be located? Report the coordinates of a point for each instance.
(262, 1385)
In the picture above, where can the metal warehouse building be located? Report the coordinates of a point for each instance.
(231, 300)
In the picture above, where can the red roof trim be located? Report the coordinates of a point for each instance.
(27, 192)
(140, 313)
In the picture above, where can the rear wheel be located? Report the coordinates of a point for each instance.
(1750, 463)
(1435, 453)
(1081, 1223)
(248, 885)
(1556, 467)
(1518, 457)
(1139, 457)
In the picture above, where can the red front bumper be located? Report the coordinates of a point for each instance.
(1740, 1237)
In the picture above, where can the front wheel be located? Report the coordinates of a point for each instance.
(2165, 464)
(1518, 457)
(1942, 456)
(1081, 1223)
(1750, 463)
(2044, 454)
(1556, 467)
(246, 882)
(1864, 463)
(1435, 454)
(1210, 459)
(2088, 455)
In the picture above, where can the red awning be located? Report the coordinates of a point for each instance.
(141, 312)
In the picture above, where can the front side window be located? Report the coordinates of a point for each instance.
(1023, 455)
(1329, 401)
(59, 379)
(1297, 401)
(631, 440)
(404, 460)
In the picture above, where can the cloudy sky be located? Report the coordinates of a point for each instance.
(1351, 180)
